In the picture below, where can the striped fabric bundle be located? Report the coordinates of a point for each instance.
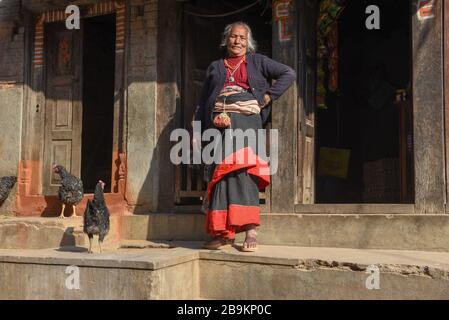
(245, 107)
(238, 102)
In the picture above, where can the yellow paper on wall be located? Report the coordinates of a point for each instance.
(334, 162)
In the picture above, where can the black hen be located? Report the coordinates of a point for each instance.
(71, 190)
(96, 216)
(6, 184)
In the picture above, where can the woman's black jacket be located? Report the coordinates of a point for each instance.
(261, 71)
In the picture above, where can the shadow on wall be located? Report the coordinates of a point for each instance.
(158, 188)
(68, 239)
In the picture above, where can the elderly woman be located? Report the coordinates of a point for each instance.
(237, 94)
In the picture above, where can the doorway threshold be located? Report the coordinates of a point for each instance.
(355, 208)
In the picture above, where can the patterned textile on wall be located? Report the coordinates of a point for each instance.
(327, 38)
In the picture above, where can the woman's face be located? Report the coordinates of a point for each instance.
(237, 41)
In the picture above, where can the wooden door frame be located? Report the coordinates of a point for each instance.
(446, 93)
(75, 85)
(305, 124)
(30, 199)
(285, 116)
(428, 91)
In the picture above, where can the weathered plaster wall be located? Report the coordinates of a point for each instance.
(11, 92)
(10, 132)
(141, 97)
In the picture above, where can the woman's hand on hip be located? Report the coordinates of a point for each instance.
(266, 100)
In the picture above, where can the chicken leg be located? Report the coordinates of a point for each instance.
(90, 245)
(73, 211)
(99, 243)
(61, 216)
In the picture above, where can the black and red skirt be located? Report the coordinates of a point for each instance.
(233, 191)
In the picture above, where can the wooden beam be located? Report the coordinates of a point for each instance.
(428, 107)
(168, 98)
(284, 111)
(446, 88)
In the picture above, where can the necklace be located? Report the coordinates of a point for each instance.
(233, 70)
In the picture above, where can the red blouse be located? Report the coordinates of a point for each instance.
(240, 75)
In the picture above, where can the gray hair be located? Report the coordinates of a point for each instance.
(252, 45)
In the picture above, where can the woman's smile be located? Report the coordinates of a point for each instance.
(237, 41)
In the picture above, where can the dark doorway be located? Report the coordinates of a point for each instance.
(364, 108)
(98, 101)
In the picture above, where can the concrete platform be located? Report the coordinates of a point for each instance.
(155, 274)
(181, 270)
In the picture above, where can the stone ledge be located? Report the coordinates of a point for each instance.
(153, 259)
(41, 233)
(429, 264)
(188, 272)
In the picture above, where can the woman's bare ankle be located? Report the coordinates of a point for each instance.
(251, 231)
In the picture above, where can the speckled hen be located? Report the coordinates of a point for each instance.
(71, 190)
(96, 216)
(6, 184)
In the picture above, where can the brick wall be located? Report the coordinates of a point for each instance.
(143, 38)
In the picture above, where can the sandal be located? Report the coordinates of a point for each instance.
(218, 243)
(249, 240)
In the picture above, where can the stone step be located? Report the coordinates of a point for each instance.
(367, 231)
(182, 270)
(41, 233)
(375, 231)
